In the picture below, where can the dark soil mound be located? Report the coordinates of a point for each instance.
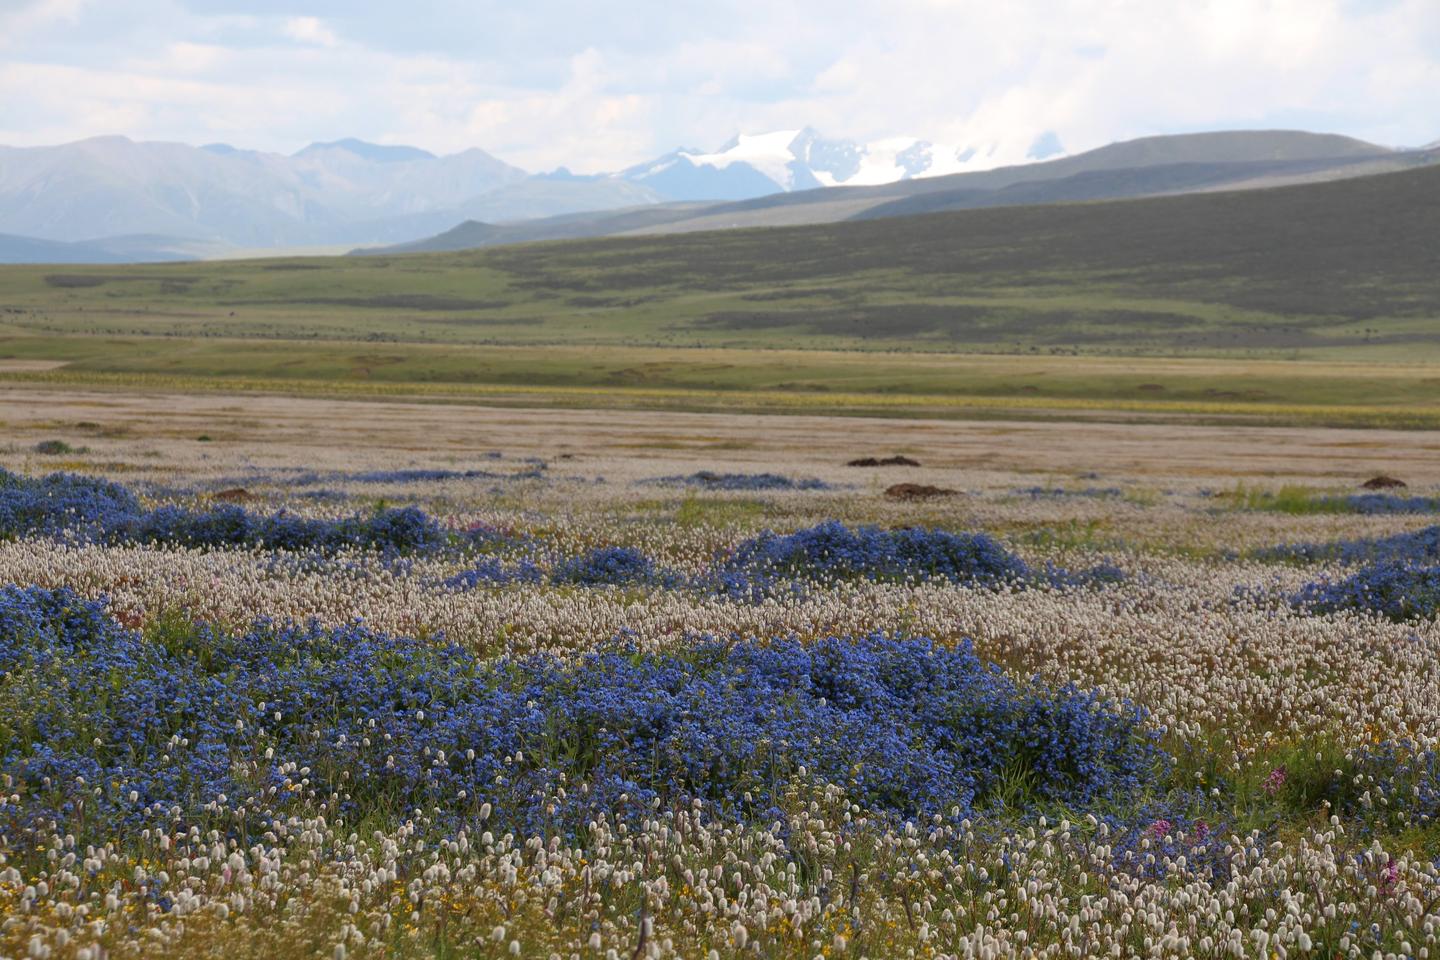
(917, 491)
(1382, 482)
(895, 461)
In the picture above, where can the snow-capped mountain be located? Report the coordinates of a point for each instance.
(753, 165)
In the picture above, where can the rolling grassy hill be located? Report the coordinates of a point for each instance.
(1340, 280)
(1347, 266)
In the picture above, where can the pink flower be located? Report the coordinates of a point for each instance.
(1274, 781)
(1160, 828)
(1390, 876)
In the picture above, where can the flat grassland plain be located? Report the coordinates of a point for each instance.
(590, 642)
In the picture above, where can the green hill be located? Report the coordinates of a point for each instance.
(1321, 269)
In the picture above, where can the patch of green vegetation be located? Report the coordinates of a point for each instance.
(1290, 499)
(696, 510)
(1093, 534)
(1143, 496)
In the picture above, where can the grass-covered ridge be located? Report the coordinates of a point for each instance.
(1328, 269)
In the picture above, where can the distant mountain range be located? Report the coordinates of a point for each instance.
(149, 249)
(110, 199)
(1152, 166)
(346, 193)
(350, 192)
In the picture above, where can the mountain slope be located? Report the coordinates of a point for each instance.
(1146, 167)
(142, 249)
(378, 153)
(345, 192)
(1148, 181)
(111, 185)
(1229, 147)
(474, 233)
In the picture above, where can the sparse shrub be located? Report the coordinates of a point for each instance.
(52, 448)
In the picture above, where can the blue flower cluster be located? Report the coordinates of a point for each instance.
(1397, 590)
(1403, 778)
(535, 471)
(773, 564)
(601, 566)
(89, 509)
(1056, 493)
(832, 551)
(1383, 503)
(616, 566)
(63, 502)
(1418, 546)
(740, 481)
(495, 572)
(1144, 842)
(104, 729)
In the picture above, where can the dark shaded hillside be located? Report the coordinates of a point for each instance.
(473, 234)
(1224, 152)
(1357, 248)
(1124, 184)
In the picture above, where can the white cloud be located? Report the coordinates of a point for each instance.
(964, 71)
(19, 23)
(310, 30)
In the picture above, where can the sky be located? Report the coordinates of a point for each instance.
(599, 86)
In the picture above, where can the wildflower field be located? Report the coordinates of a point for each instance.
(648, 694)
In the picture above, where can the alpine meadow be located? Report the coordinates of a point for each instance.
(999, 520)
